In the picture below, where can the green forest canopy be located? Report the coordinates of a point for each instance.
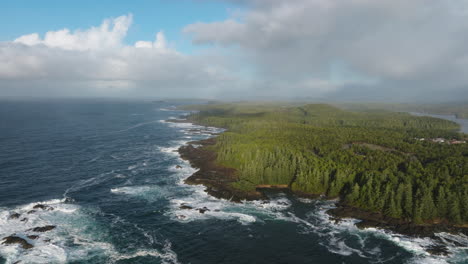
(458, 109)
(372, 160)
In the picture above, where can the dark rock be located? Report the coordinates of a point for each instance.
(203, 210)
(14, 216)
(401, 226)
(217, 179)
(47, 240)
(451, 241)
(17, 240)
(31, 211)
(186, 207)
(33, 236)
(178, 167)
(43, 207)
(24, 220)
(440, 250)
(43, 228)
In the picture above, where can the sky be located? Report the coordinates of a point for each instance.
(387, 50)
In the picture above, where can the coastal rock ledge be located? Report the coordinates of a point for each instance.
(217, 179)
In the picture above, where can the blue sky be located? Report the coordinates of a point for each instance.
(20, 17)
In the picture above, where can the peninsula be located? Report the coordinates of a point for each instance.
(372, 162)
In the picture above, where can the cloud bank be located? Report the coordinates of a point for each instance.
(348, 49)
(350, 46)
(96, 62)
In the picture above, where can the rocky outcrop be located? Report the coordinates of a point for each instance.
(203, 210)
(402, 226)
(43, 228)
(216, 178)
(16, 240)
(185, 207)
(43, 207)
(14, 216)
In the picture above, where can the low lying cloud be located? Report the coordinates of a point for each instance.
(96, 62)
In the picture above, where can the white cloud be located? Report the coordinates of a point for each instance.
(160, 43)
(143, 44)
(30, 40)
(96, 61)
(108, 35)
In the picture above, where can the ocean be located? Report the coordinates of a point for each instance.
(106, 174)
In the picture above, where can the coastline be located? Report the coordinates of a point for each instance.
(401, 226)
(218, 179)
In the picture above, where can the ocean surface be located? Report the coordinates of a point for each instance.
(108, 170)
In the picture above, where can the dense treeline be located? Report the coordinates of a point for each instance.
(460, 109)
(369, 160)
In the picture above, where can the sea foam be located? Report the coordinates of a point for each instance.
(76, 237)
(67, 242)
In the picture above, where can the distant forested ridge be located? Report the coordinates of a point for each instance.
(374, 161)
(458, 109)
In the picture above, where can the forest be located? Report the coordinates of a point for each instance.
(457, 109)
(371, 160)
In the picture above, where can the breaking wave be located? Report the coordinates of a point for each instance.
(74, 236)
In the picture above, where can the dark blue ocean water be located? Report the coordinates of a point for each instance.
(108, 170)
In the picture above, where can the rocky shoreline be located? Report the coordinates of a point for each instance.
(401, 226)
(218, 179)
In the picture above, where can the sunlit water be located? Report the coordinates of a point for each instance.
(109, 171)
